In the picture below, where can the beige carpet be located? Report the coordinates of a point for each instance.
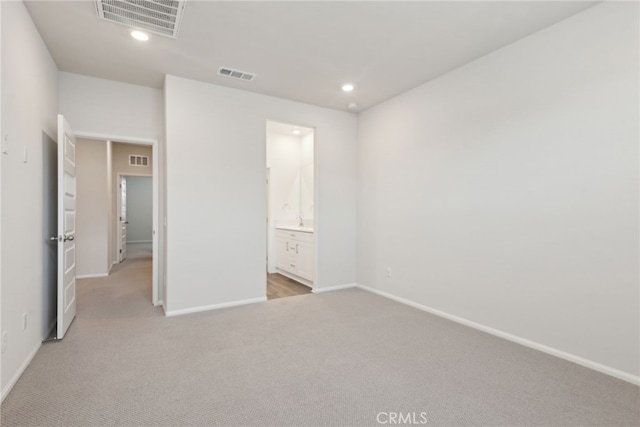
(345, 358)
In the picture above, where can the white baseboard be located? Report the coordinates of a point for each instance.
(170, 313)
(140, 241)
(159, 303)
(91, 276)
(513, 338)
(21, 369)
(334, 288)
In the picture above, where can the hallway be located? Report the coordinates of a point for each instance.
(126, 292)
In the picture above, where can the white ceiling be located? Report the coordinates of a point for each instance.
(302, 51)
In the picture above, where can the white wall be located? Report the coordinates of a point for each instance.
(139, 209)
(29, 100)
(216, 192)
(506, 192)
(93, 105)
(306, 179)
(92, 221)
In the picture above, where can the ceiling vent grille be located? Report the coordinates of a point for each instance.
(157, 16)
(135, 160)
(235, 74)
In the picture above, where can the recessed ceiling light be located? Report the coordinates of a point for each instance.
(347, 87)
(352, 105)
(139, 35)
(296, 132)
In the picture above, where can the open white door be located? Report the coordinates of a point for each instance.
(122, 240)
(66, 226)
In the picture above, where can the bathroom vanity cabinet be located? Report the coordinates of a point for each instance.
(295, 255)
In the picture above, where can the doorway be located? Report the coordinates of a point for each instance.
(135, 220)
(120, 151)
(291, 233)
(50, 229)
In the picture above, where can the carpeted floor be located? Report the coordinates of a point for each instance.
(346, 358)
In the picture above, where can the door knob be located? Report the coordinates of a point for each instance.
(53, 238)
(70, 238)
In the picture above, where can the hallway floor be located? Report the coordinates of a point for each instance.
(124, 293)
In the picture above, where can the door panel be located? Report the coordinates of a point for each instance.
(66, 226)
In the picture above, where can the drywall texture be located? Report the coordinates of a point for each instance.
(93, 105)
(506, 192)
(29, 101)
(139, 209)
(92, 220)
(216, 165)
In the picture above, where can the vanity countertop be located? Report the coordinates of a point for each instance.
(295, 228)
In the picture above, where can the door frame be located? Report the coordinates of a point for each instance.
(119, 176)
(155, 183)
(316, 258)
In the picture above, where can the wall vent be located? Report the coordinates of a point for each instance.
(235, 74)
(157, 16)
(135, 160)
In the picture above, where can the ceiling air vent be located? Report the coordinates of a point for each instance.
(157, 16)
(135, 160)
(235, 74)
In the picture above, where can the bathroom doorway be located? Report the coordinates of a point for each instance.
(291, 233)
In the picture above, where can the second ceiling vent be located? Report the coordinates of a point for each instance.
(157, 16)
(236, 74)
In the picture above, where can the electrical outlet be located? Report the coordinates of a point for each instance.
(4, 341)
(24, 321)
(387, 272)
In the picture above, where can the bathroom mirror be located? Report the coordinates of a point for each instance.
(290, 166)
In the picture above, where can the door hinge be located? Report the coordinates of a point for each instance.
(120, 250)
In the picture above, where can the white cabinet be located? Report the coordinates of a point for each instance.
(295, 255)
(304, 260)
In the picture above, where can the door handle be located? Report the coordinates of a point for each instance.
(69, 238)
(53, 238)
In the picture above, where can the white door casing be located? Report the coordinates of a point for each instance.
(66, 226)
